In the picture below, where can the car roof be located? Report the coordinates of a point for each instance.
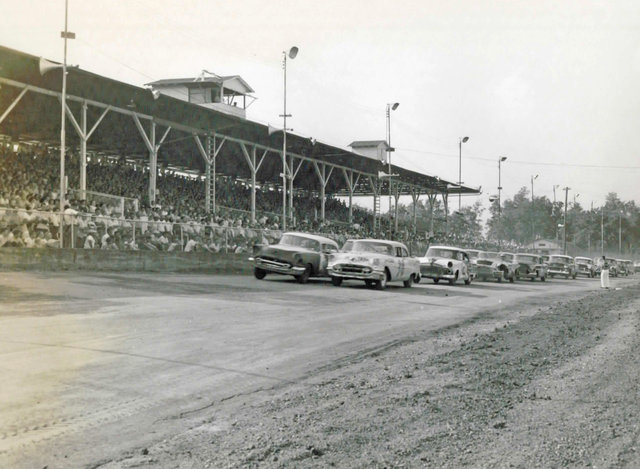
(453, 248)
(561, 255)
(385, 241)
(322, 239)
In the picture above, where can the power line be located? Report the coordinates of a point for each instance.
(535, 163)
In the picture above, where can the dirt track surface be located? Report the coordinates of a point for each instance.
(554, 387)
(525, 375)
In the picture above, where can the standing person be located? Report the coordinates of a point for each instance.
(604, 273)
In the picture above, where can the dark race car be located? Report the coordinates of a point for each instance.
(299, 254)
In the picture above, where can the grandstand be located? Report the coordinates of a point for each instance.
(202, 155)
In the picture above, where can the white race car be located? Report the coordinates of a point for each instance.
(445, 262)
(376, 261)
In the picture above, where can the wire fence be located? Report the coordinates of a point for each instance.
(41, 229)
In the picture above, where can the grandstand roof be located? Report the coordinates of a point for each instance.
(37, 117)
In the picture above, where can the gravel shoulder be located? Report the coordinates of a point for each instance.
(544, 387)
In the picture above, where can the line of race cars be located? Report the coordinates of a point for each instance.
(378, 262)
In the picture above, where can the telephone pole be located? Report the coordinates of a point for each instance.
(564, 231)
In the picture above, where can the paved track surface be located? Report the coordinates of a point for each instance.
(95, 365)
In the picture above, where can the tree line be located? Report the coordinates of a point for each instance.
(520, 220)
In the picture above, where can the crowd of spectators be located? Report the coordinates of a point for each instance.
(30, 205)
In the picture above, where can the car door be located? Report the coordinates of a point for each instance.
(326, 250)
(462, 256)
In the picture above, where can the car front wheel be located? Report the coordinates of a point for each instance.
(454, 279)
(259, 273)
(336, 281)
(304, 276)
(382, 283)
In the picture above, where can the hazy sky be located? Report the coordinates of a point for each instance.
(552, 85)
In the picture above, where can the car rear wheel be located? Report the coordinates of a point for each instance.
(304, 276)
(467, 281)
(259, 273)
(436, 280)
(408, 283)
(336, 281)
(543, 279)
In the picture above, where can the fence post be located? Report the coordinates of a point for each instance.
(226, 243)
(181, 238)
(133, 232)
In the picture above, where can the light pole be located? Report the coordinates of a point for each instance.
(65, 35)
(390, 107)
(602, 231)
(533, 213)
(620, 233)
(461, 140)
(292, 55)
(564, 223)
(500, 161)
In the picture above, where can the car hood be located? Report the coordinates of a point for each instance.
(355, 257)
(491, 262)
(282, 251)
(441, 261)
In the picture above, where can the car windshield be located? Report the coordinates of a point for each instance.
(584, 260)
(440, 252)
(526, 258)
(559, 259)
(300, 242)
(488, 255)
(368, 246)
(507, 257)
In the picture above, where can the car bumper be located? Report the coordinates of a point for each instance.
(559, 272)
(487, 272)
(276, 266)
(340, 272)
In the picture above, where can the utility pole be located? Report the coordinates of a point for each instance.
(564, 231)
(602, 231)
(533, 212)
(620, 233)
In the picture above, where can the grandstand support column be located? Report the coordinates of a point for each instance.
(445, 200)
(432, 201)
(293, 170)
(83, 152)
(210, 162)
(415, 196)
(324, 178)
(153, 147)
(376, 200)
(209, 156)
(81, 130)
(396, 196)
(254, 166)
(153, 164)
(348, 177)
(291, 161)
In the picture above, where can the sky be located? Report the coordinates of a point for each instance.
(551, 85)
